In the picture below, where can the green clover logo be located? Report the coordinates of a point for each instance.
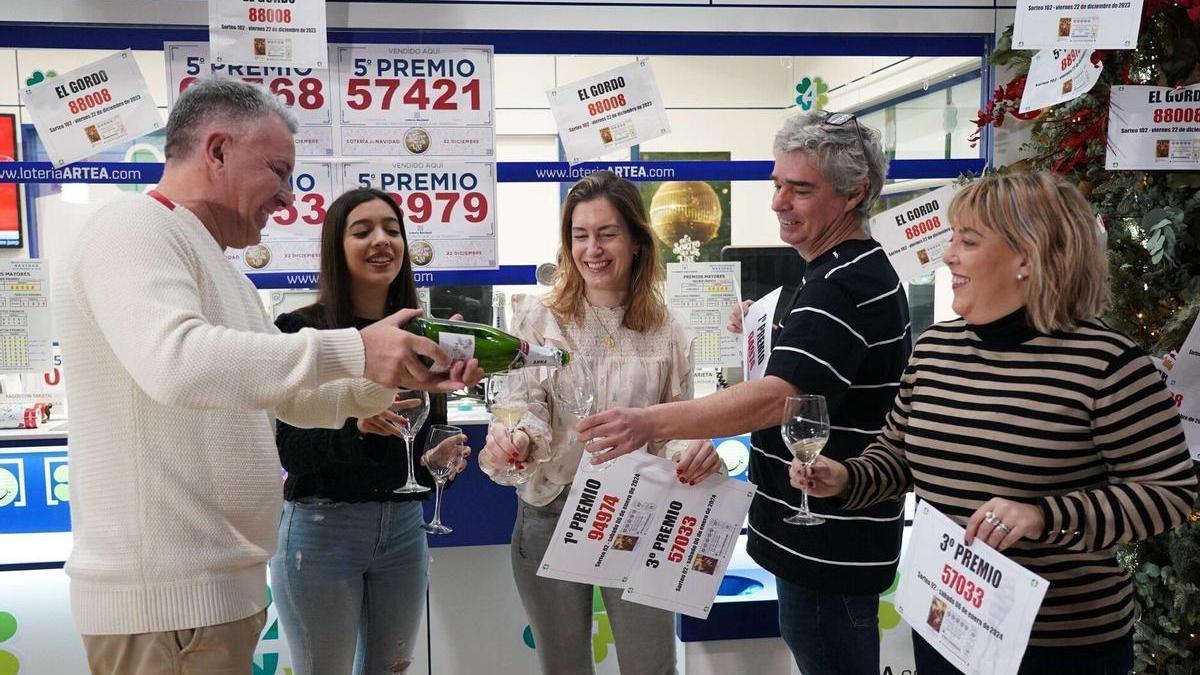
(39, 76)
(601, 638)
(9, 664)
(889, 618)
(812, 92)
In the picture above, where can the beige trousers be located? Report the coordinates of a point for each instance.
(223, 649)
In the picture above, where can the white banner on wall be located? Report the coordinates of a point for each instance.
(305, 91)
(701, 295)
(449, 208)
(420, 100)
(1184, 382)
(972, 604)
(268, 32)
(1091, 24)
(610, 111)
(98, 106)
(1057, 76)
(916, 234)
(1154, 128)
(291, 241)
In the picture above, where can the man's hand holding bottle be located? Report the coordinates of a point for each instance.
(393, 358)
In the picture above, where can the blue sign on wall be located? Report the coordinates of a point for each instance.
(35, 490)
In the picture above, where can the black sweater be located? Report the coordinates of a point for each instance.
(340, 464)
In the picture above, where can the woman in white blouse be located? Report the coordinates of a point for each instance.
(607, 309)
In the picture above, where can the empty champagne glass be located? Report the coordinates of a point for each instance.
(413, 408)
(805, 430)
(443, 452)
(508, 399)
(575, 390)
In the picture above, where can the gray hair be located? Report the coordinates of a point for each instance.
(228, 101)
(839, 153)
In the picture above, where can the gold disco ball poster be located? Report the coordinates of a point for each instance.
(690, 219)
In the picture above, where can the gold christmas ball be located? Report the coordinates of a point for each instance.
(681, 208)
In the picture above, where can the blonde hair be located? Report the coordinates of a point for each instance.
(645, 309)
(1047, 221)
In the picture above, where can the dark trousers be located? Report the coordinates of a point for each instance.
(829, 633)
(1106, 658)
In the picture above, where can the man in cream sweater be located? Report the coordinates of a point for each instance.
(177, 375)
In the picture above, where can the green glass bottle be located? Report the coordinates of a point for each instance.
(496, 350)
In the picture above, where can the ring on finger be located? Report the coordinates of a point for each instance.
(1003, 528)
(990, 518)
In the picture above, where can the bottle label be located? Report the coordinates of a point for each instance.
(458, 346)
(536, 355)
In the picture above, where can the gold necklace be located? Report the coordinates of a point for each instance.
(609, 341)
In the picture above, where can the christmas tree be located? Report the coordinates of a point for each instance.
(1152, 222)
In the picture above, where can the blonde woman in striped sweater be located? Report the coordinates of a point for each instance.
(1044, 431)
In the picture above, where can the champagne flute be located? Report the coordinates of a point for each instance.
(575, 389)
(413, 408)
(507, 401)
(805, 430)
(443, 452)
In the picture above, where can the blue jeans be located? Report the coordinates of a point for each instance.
(349, 582)
(829, 633)
(1114, 657)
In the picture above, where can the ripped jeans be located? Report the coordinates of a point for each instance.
(349, 581)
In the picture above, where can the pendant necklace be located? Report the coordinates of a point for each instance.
(609, 341)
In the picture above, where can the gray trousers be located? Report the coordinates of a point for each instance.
(560, 612)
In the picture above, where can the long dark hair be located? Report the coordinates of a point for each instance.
(645, 308)
(334, 308)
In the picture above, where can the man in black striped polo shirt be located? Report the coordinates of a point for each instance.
(846, 336)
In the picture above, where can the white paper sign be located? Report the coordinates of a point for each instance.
(606, 521)
(610, 111)
(1057, 76)
(693, 538)
(416, 100)
(100, 105)
(915, 234)
(304, 91)
(1184, 382)
(974, 605)
(1154, 128)
(449, 208)
(701, 295)
(757, 335)
(25, 344)
(1093, 24)
(291, 241)
(268, 32)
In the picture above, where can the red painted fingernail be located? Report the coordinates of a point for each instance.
(682, 479)
(515, 455)
(691, 482)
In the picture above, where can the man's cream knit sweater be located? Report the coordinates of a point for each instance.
(176, 375)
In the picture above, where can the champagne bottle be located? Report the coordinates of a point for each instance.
(496, 350)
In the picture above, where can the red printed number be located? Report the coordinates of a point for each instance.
(962, 586)
(923, 227)
(88, 101)
(1169, 115)
(314, 207)
(362, 92)
(606, 104)
(307, 93)
(270, 15)
(419, 206)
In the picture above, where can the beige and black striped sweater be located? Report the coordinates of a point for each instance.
(1078, 423)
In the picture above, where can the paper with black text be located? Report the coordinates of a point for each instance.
(606, 520)
(758, 334)
(1057, 76)
(972, 604)
(692, 539)
(916, 234)
(1184, 382)
(268, 33)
